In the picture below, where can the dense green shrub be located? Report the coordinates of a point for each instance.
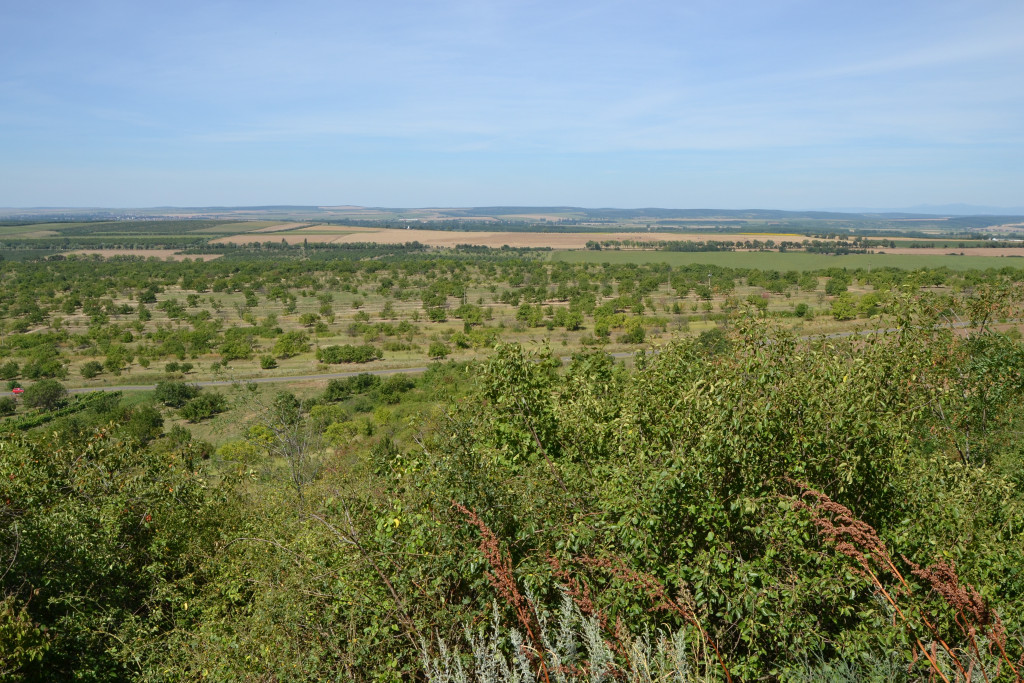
(204, 406)
(291, 344)
(143, 423)
(341, 389)
(91, 369)
(175, 394)
(45, 394)
(9, 370)
(237, 345)
(94, 533)
(348, 353)
(438, 350)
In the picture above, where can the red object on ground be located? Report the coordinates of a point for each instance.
(18, 390)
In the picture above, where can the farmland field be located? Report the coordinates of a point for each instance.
(343, 234)
(243, 226)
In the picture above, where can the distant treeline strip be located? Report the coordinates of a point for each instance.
(858, 245)
(58, 244)
(144, 227)
(349, 250)
(470, 225)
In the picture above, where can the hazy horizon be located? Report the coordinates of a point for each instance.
(469, 104)
(924, 210)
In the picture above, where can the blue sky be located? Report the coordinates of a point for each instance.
(768, 104)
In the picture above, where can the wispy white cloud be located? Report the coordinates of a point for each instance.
(489, 81)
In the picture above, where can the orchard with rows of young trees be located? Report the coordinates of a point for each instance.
(755, 501)
(90, 321)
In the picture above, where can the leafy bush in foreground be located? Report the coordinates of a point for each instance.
(682, 471)
(94, 533)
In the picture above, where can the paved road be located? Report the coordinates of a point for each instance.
(418, 370)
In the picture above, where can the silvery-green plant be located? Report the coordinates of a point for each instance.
(576, 650)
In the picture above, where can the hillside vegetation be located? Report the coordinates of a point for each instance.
(743, 505)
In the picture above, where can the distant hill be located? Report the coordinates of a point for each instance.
(945, 218)
(941, 210)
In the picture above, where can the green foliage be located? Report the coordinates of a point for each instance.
(9, 370)
(844, 307)
(93, 532)
(291, 344)
(391, 389)
(204, 406)
(175, 366)
(341, 389)
(808, 282)
(347, 353)
(117, 358)
(437, 314)
(44, 362)
(46, 394)
(99, 403)
(869, 305)
(143, 423)
(338, 556)
(175, 394)
(91, 369)
(21, 641)
(713, 342)
(682, 469)
(438, 349)
(635, 333)
(237, 345)
(837, 284)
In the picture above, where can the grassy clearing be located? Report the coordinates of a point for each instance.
(790, 261)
